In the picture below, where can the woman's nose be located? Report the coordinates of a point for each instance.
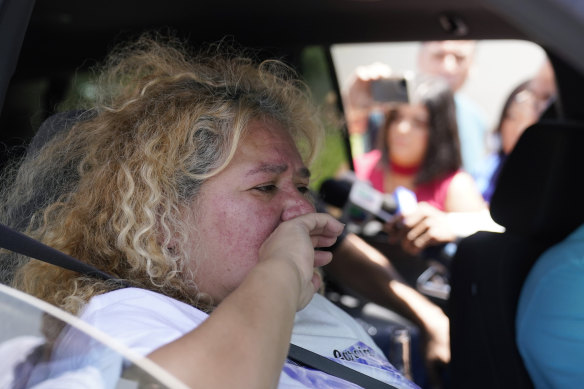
(296, 204)
(404, 126)
(450, 64)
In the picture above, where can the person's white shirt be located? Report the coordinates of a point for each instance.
(144, 321)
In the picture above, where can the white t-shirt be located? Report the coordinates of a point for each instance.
(144, 321)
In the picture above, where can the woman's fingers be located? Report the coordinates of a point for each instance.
(425, 227)
(322, 224)
(322, 241)
(322, 258)
(316, 280)
(297, 239)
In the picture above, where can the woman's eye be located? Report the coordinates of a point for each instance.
(303, 189)
(266, 188)
(420, 123)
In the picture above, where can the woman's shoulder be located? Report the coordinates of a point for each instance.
(460, 179)
(142, 319)
(137, 297)
(463, 194)
(137, 300)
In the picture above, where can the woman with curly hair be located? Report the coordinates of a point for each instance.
(189, 182)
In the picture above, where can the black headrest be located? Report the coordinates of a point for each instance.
(540, 192)
(570, 82)
(56, 123)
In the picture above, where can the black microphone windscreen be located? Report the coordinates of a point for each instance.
(389, 204)
(335, 192)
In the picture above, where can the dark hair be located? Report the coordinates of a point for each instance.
(512, 96)
(443, 152)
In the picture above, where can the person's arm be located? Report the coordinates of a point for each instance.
(357, 99)
(244, 342)
(380, 283)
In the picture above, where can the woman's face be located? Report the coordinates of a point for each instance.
(407, 139)
(265, 184)
(522, 112)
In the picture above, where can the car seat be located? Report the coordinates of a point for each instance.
(539, 201)
(19, 217)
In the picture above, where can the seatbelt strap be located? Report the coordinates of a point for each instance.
(25, 245)
(316, 361)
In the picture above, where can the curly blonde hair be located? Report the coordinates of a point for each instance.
(115, 185)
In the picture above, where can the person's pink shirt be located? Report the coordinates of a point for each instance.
(368, 167)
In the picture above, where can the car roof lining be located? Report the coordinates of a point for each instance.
(58, 25)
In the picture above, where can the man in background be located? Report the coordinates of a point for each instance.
(452, 61)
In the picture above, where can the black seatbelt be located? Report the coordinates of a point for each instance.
(25, 245)
(316, 361)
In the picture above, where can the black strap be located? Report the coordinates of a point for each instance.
(22, 244)
(308, 358)
(25, 245)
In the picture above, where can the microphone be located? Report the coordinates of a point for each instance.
(374, 202)
(351, 192)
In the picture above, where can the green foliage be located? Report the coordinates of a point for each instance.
(316, 74)
(330, 159)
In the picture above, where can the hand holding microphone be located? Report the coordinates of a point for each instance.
(425, 227)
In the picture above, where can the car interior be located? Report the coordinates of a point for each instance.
(488, 269)
(51, 46)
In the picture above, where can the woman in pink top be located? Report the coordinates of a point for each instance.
(418, 148)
